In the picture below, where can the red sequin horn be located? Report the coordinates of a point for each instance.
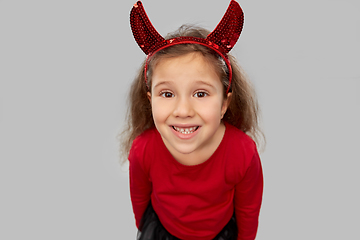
(221, 40)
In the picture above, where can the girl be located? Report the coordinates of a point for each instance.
(195, 172)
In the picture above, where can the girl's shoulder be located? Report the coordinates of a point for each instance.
(240, 151)
(237, 139)
(143, 143)
(147, 137)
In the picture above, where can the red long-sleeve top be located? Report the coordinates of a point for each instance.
(196, 202)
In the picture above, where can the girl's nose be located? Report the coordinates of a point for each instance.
(183, 108)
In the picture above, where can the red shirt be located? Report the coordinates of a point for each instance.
(196, 202)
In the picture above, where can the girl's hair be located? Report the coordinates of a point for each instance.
(243, 110)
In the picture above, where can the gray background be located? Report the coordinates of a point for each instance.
(65, 68)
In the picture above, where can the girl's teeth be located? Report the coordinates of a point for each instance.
(185, 130)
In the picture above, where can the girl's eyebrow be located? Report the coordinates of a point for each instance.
(163, 83)
(200, 82)
(205, 83)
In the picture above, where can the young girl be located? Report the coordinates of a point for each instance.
(195, 172)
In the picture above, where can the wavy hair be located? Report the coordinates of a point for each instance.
(243, 110)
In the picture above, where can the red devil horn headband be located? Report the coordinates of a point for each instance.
(221, 40)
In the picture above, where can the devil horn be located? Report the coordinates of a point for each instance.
(227, 32)
(144, 32)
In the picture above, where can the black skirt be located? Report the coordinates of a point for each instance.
(151, 228)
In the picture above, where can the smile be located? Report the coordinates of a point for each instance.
(185, 130)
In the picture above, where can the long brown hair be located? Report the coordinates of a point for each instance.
(242, 112)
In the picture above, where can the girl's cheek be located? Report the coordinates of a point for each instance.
(159, 108)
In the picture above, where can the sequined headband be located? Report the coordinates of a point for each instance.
(221, 40)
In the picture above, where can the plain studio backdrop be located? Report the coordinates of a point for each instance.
(65, 70)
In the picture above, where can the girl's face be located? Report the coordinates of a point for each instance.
(187, 106)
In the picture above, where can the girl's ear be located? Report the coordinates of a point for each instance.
(225, 105)
(149, 96)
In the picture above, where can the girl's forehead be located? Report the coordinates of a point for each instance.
(187, 63)
(186, 70)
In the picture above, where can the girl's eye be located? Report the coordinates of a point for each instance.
(200, 94)
(167, 94)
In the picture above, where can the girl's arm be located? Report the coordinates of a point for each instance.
(248, 197)
(140, 185)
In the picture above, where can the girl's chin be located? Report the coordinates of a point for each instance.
(179, 148)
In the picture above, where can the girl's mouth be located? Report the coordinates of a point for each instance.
(185, 130)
